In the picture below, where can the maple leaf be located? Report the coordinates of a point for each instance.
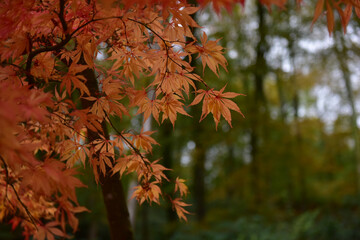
(318, 11)
(14, 47)
(179, 205)
(157, 171)
(49, 231)
(132, 163)
(330, 17)
(121, 165)
(149, 192)
(85, 119)
(330, 5)
(72, 152)
(73, 79)
(66, 206)
(69, 182)
(150, 107)
(179, 185)
(217, 103)
(43, 66)
(170, 107)
(100, 107)
(143, 141)
(87, 49)
(210, 52)
(219, 4)
(279, 3)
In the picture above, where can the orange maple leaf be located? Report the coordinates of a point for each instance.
(150, 192)
(210, 52)
(150, 107)
(170, 107)
(217, 103)
(144, 141)
(180, 185)
(73, 79)
(179, 205)
(48, 231)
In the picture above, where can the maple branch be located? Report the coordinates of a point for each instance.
(167, 53)
(67, 125)
(20, 69)
(127, 40)
(166, 49)
(6, 180)
(34, 53)
(62, 43)
(62, 17)
(146, 25)
(32, 219)
(136, 150)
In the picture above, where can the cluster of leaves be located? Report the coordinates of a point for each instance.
(54, 110)
(344, 9)
(53, 116)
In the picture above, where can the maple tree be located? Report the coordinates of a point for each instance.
(57, 102)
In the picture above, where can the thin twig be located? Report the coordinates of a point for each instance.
(137, 151)
(32, 219)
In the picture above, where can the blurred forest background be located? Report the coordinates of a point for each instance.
(290, 169)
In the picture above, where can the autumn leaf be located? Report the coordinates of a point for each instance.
(180, 185)
(318, 11)
(158, 171)
(210, 52)
(48, 231)
(74, 152)
(149, 192)
(217, 103)
(171, 106)
(43, 66)
(150, 107)
(330, 18)
(143, 141)
(219, 4)
(347, 16)
(179, 205)
(72, 79)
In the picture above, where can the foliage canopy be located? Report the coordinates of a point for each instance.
(57, 100)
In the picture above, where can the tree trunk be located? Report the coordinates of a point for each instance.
(199, 158)
(167, 144)
(112, 189)
(199, 153)
(298, 146)
(342, 58)
(258, 105)
(145, 221)
(199, 179)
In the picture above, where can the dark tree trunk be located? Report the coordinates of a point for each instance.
(258, 106)
(198, 158)
(199, 180)
(167, 154)
(342, 57)
(112, 189)
(145, 222)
